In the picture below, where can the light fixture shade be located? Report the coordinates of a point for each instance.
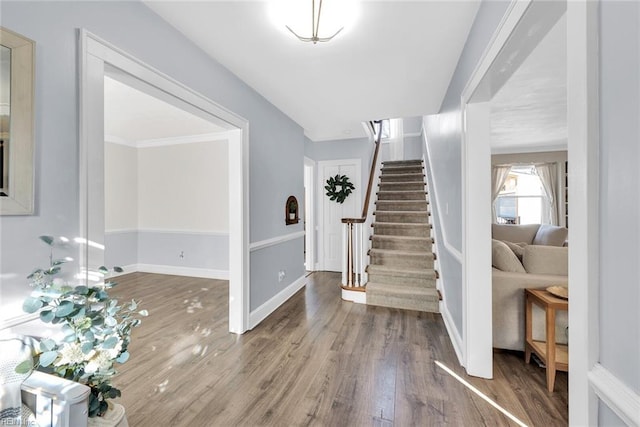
(314, 20)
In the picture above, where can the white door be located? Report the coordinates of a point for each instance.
(330, 246)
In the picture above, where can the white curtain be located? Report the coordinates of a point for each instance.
(547, 173)
(499, 175)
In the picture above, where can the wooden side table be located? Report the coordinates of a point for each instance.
(555, 356)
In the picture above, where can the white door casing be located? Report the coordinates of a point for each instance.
(331, 213)
(523, 26)
(97, 54)
(582, 124)
(309, 217)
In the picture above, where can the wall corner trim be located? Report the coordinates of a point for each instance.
(454, 335)
(618, 396)
(261, 313)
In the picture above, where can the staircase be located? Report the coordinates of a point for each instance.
(401, 270)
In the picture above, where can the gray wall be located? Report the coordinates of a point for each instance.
(443, 135)
(412, 125)
(355, 148)
(620, 199)
(276, 142)
(202, 250)
(412, 147)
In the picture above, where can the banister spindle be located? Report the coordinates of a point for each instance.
(353, 260)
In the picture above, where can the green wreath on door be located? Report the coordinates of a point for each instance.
(338, 188)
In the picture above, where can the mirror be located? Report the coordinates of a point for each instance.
(17, 70)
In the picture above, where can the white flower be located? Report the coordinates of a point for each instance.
(71, 354)
(101, 361)
(39, 279)
(115, 351)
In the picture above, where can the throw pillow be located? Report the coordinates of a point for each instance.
(517, 248)
(504, 259)
(550, 235)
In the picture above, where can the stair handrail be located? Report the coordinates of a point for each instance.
(372, 171)
(353, 269)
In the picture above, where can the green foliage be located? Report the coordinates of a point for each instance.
(341, 193)
(96, 330)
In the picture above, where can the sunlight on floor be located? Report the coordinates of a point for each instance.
(479, 393)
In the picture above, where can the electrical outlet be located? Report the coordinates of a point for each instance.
(181, 255)
(281, 275)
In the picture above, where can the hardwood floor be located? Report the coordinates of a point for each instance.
(316, 361)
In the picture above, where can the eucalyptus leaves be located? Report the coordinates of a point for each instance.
(338, 188)
(96, 330)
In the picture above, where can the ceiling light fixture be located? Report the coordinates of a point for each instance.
(315, 26)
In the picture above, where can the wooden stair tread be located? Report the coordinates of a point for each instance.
(402, 201)
(402, 224)
(402, 212)
(391, 237)
(402, 252)
(421, 192)
(404, 272)
(411, 290)
(398, 183)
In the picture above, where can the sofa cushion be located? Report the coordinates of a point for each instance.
(550, 235)
(517, 248)
(539, 259)
(504, 259)
(514, 233)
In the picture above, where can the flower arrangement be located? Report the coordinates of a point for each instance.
(96, 330)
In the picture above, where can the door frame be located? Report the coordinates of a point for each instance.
(94, 55)
(583, 141)
(309, 213)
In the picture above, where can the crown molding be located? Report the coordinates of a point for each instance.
(174, 140)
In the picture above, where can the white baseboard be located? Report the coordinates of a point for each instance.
(454, 335)
(618, 396)
(205, 273)
(261, 313)
(358, 297)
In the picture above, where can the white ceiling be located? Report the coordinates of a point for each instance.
(396, 60)
(133, 117)
(530, 111)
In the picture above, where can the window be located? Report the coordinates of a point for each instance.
(389, 128)
(521, 199)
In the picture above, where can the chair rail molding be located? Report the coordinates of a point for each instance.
(621, 399)
(261, 244)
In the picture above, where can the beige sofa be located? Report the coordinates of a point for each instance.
(540, 253)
